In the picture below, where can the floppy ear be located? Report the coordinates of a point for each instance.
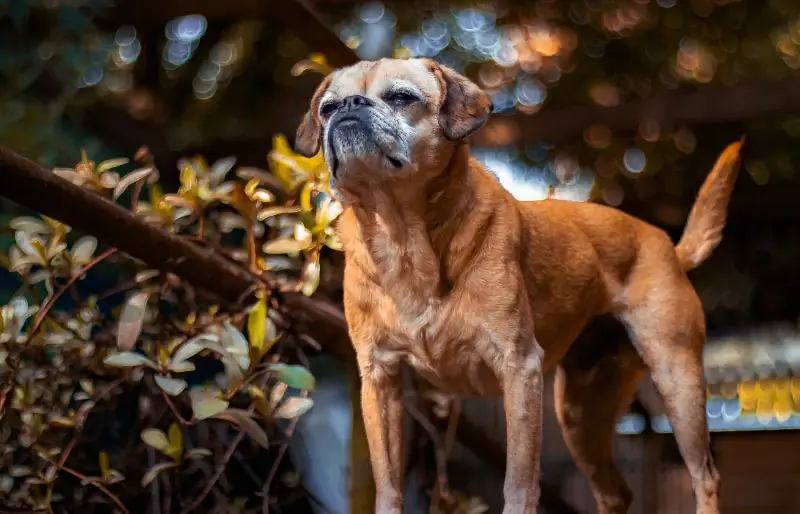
(309, 133)
(465, 107)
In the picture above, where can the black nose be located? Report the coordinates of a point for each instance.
(354, 102)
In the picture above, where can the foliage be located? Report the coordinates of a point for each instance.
(64, 374)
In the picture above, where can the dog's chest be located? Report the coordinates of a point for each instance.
(452, 358)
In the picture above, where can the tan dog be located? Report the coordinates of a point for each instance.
(483, 294)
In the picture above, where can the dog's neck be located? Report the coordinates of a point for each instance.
(405, 234)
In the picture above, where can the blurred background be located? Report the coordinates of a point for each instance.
(622, 102)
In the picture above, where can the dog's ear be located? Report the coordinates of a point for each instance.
(309, 133)
(465, 107)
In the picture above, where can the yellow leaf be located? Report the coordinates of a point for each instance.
(175, 441)
(257, 323)
(105, 467)
(286, 245)
(276, 211)
(305, 197)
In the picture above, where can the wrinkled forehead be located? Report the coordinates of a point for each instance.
(372, 79)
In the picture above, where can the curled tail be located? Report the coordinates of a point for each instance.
(709, 213)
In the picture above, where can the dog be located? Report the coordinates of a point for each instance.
(483, 294)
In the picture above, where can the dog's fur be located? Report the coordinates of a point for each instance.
(483, 294)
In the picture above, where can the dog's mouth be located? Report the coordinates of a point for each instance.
(395, 162)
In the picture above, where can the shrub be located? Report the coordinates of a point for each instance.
(150, 391)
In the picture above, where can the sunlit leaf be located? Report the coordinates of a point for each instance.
(269, 212)
(315, 62)
(130, 179)
(221, 168)
(111, 164)
(206, 402)
(311, 275)
(19, 471)
(257, 323)
(171, 386)
(294, 376)
(328, 211)
(83, 249)
(29, 224)
(194, 346)
(153, 472)
(109, 180)
(128, 359)
(333, 242)
(276, 395)
(104, 464)
(70, 175)
(247, 424)
(305, 197)
(176, 439)
(286, 245)
(198, 453)
(130, 323)
(294, 407)
(157, 439)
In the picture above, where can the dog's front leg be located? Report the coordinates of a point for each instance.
(523, 382)
(382, 407)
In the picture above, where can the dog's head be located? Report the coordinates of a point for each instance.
(390, 118)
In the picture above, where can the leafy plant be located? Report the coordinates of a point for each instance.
(65, 372)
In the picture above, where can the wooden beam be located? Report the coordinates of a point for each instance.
(703, 106)
(299, 16)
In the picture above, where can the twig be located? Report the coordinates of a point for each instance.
(171, 405)
(218, 473)
(103, 489)
(74, 278)
(441, 490)
(274, 469)
(452, 426)
(13, 362)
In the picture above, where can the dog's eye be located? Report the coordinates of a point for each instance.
(328, 109)
(401, 98)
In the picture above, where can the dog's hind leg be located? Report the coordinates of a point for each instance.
(667, 326)
(594, 385)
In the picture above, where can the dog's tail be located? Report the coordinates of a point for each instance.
(709, 213)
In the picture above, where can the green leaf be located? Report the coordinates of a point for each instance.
(206, 402)
(294, 407)
(247, 424)
(130, 322)
(111, 164)
(157, 439)
(293, 376)
(171, 386)
(257, 323)
(286, 245)
(128, 360)
(155, 470)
